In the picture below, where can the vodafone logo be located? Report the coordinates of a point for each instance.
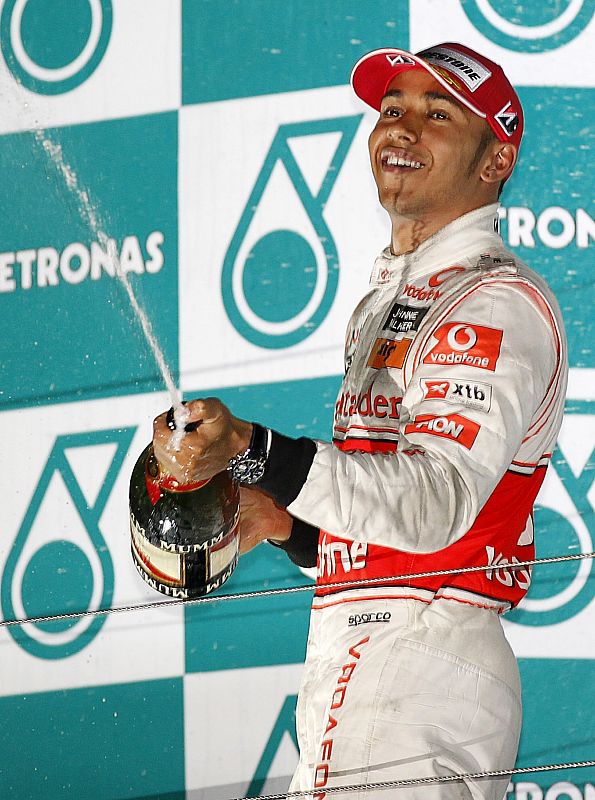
(431, 292)
(461, 338)
(466, 344)
(453, 426)
(444, 274)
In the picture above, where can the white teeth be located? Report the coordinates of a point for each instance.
(398, 161)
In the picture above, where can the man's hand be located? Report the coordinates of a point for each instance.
(261, 518)
(205, 451)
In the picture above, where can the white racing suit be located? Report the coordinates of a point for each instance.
(456, 366)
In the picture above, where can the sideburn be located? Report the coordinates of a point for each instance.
(486, 138)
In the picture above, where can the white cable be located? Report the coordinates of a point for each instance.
(289, 590)
(499, 773)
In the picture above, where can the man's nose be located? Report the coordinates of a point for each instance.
(406, 128)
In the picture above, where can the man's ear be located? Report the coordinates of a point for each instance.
(500, 163)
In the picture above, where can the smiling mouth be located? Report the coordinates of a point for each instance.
(400, 159)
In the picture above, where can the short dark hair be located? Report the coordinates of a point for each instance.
(487, 138)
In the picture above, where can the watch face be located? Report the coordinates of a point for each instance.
(247, 470)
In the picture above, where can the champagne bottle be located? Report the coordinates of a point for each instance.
(184, 536)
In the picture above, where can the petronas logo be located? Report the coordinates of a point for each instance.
(51, 47)
(59, 561)
(530, 27)
(283, 729)
(281, 270)
(565, 523)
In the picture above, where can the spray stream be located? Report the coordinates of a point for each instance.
(90, 216)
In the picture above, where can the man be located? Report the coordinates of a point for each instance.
(451, 403)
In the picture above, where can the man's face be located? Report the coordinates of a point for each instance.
(422, 149)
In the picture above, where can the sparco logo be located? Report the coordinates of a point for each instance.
(463, 343)
(372, 616)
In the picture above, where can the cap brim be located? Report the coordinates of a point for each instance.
(373, 73)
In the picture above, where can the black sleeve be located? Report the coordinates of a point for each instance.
(302, 545)
(287, 467)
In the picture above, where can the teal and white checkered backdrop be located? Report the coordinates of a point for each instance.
(220, 146)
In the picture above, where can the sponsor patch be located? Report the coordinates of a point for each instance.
(394, 61)
(440, 277)
(367, 404)
(420, 292)
(452, 426)
(388, 353)
(477, 396)
(403, 319)
(508, 119)
(371, 616)
(466, 69)
(336, 557)
(466, 344)
(430, 292)
(448, 78)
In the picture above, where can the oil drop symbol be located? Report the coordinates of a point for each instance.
(280, 272)
(59, 561)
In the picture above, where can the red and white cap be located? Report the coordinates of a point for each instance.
(474, 80)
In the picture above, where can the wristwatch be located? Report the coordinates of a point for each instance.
(249, 467)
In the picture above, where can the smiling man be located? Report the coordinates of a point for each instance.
(455, 373)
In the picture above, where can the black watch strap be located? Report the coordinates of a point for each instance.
(259, 441)
(249, 467)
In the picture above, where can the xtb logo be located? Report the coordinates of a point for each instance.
(59, 560)
(280, 271)
(51, 48)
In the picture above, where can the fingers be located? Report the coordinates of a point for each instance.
(205, 411)
(211, 437)
(261, 518)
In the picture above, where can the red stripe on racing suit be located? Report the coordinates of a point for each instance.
(502, 535)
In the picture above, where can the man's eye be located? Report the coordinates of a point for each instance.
(391, 111)
(439, 115)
